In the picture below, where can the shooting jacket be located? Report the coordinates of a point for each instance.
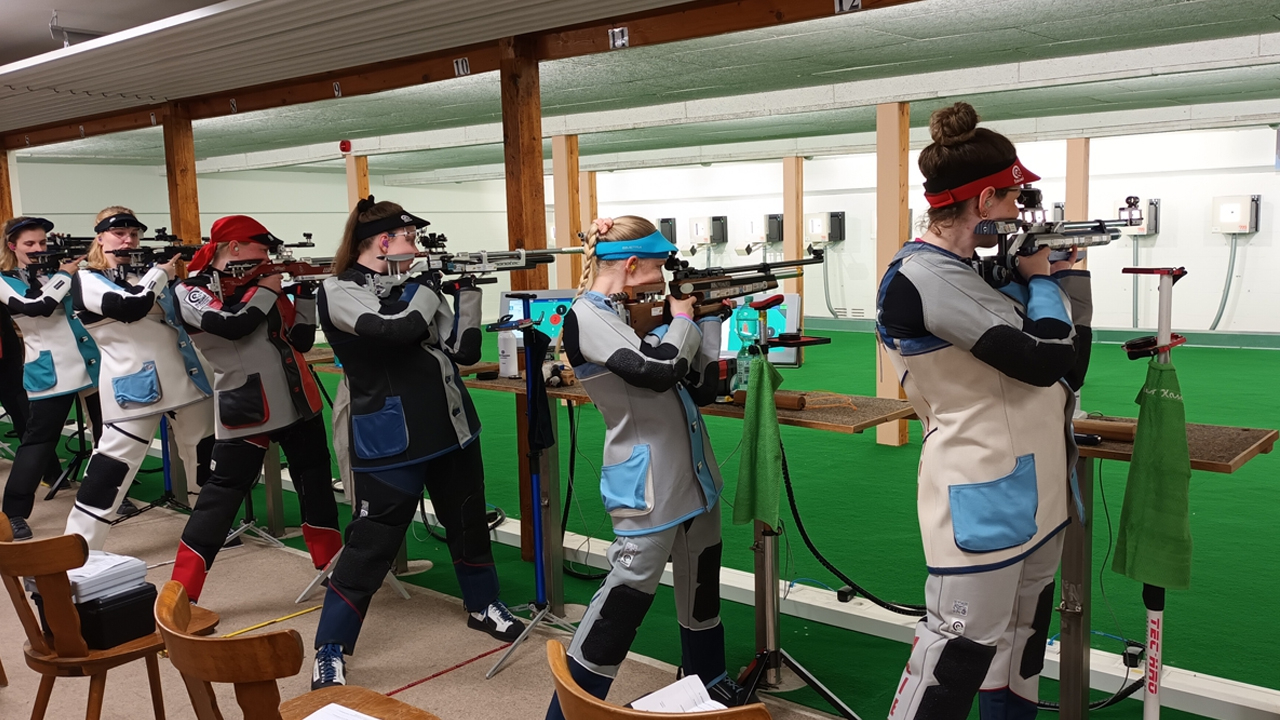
(61, 356)
(659, 470)
(255, 343)
(991, 373)
(400, 354)
(149, 364)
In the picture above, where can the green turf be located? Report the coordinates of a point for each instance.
(858, 501)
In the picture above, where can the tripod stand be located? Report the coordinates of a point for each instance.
(167, 499)
(765, 671)
(249, 524)
(535, 348)
(77, 461)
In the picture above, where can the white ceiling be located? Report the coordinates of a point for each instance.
(774, 65)
(24, 24)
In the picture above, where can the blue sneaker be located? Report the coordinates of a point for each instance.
(330, 668)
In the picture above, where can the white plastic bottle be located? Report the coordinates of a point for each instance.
(508, 367)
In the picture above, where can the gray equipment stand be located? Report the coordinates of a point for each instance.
(1077, 583)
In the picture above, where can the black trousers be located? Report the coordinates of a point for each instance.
(384, 505)
(37, 455)
(235, 468)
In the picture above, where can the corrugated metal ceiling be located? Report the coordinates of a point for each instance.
(922, 37)
(241, 43)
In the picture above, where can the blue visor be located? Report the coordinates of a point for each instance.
(655, 246)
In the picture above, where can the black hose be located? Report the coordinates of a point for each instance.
(900, 608)
(568, 496)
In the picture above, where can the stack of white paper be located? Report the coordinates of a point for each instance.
(334, 711)
(105, 574)
(686, 695)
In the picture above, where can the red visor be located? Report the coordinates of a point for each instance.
(1013, 175)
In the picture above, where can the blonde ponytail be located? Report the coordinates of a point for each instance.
(588, 261)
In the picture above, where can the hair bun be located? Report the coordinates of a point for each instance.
(365, 204)
(953, 125)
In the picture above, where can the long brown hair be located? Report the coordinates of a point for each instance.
(350, 247)
(8, 258)
(958, 142)
(97, 257)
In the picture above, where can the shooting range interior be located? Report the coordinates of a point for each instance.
(756, 130)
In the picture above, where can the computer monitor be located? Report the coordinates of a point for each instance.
(784, 318)
(548, 310)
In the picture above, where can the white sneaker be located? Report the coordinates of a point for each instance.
(330, 667)
(498, 621)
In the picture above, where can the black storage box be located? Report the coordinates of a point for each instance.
(115, 619)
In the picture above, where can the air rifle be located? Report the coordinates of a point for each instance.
(646, 305)
(1033, 232)
(239, 273)
(471, 266)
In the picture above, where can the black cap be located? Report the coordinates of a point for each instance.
(28, 223)
(119, 220)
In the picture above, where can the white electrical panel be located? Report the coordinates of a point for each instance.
(1235, 214)
(699, 230)
(823, 227)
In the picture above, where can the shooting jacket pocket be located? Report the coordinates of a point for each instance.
(40, 374)
(627, 487)
(996, 515)
(244, 406)
(380, 434)
(138, 389)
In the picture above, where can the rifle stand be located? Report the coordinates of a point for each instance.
(249, 524)
(77, 461)
(328, 570)
(168, 499)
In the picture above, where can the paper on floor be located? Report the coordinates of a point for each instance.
(683, 696)
(334, 711)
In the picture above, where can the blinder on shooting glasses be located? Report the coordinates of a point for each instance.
(373, 228)
(119, 220)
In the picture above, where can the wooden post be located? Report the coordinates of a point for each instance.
(357, 179)
(526, 210)
(522, 141)
(6, 188)
(180, 169)
(1077, 198)
(590, 209)
(564, 168)
(793, 218)
(892, 230)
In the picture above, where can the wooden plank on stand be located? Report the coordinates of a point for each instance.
(1077, 196)
(6, 188)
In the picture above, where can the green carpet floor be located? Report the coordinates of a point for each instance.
(858, 502)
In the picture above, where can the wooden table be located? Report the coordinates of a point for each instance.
(1213, 448)
(355, 698)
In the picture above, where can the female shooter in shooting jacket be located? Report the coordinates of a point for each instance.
(660, 482)
(991, 373)
(412, 425)
(254, 338)
(61, 360)
(149, 369)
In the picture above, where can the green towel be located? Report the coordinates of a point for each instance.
(760, 469)
(1154, 545)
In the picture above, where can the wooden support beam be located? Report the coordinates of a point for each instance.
(357, 179)
(589, 206)
(522, 143)
(893, 227)
(143, 117)
(686, 21)
(526, 212)
(793, 218)
(180, 169)
(361, 80)
(6, 188)
(568, 205)
(1077, 197)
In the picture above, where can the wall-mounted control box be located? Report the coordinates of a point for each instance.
(1235, 214)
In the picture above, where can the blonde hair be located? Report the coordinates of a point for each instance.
(626, 227)
(350, 247)
(8, 258)
(97, 257)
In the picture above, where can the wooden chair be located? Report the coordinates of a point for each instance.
(578, 704)
(253, 663)
(62, 652)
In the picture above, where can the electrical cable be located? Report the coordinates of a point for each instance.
(422, 508)
(568, 496)
(1226, 286)
(900, 608)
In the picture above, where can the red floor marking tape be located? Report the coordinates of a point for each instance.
(464, 663)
